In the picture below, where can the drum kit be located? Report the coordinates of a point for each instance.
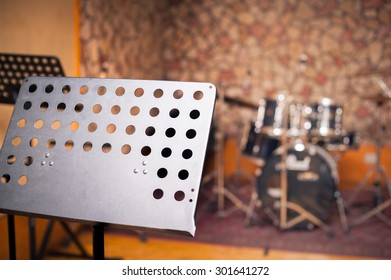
(296, 148)
(299, 178)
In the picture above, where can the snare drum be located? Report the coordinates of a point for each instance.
(324, 119)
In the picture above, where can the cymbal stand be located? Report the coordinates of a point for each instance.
(255, 202)
(220, 189)
(239, 172)
(379, 173)
(285, 204)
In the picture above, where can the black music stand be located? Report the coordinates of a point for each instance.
(14, 68)
(107, 152)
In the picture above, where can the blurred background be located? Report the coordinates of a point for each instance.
(251, 50)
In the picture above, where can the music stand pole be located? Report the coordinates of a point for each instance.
(32, 227)
(98, 242)
(11, 237)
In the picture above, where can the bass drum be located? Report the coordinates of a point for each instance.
(312, 181)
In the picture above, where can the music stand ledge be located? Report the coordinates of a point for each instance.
(107, 151)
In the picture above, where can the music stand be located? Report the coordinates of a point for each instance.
(14, 68)
(107, 151)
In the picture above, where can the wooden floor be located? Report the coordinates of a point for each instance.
(119, 246)
(122, 245)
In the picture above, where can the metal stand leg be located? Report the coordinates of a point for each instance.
(359, 188)
(74, 239)
(220, 190)
(379, 173)
(254, 203)
(45, 240)
(11, 237)
(98, 242)
(341, 211)
(32, 238)
(302, 216)
(375, 211)
(378, 200)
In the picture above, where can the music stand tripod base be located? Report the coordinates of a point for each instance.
(108, 151)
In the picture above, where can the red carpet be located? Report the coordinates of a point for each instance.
(370, 239)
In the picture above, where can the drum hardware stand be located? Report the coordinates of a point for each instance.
(285, 204)
(239, 173)
(219, 189)
(240, 138)
(377, 170)
(255, 202)
(238, 169)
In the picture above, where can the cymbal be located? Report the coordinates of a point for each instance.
(378, 98)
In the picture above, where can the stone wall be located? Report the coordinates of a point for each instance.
(250, 49)
(121, 38)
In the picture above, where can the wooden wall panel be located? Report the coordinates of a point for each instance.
(41, 27)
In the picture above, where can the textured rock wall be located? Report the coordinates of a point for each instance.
(250, 49)
(121, 38)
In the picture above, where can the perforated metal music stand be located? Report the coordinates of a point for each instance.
(107, 151)
(14, 68)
